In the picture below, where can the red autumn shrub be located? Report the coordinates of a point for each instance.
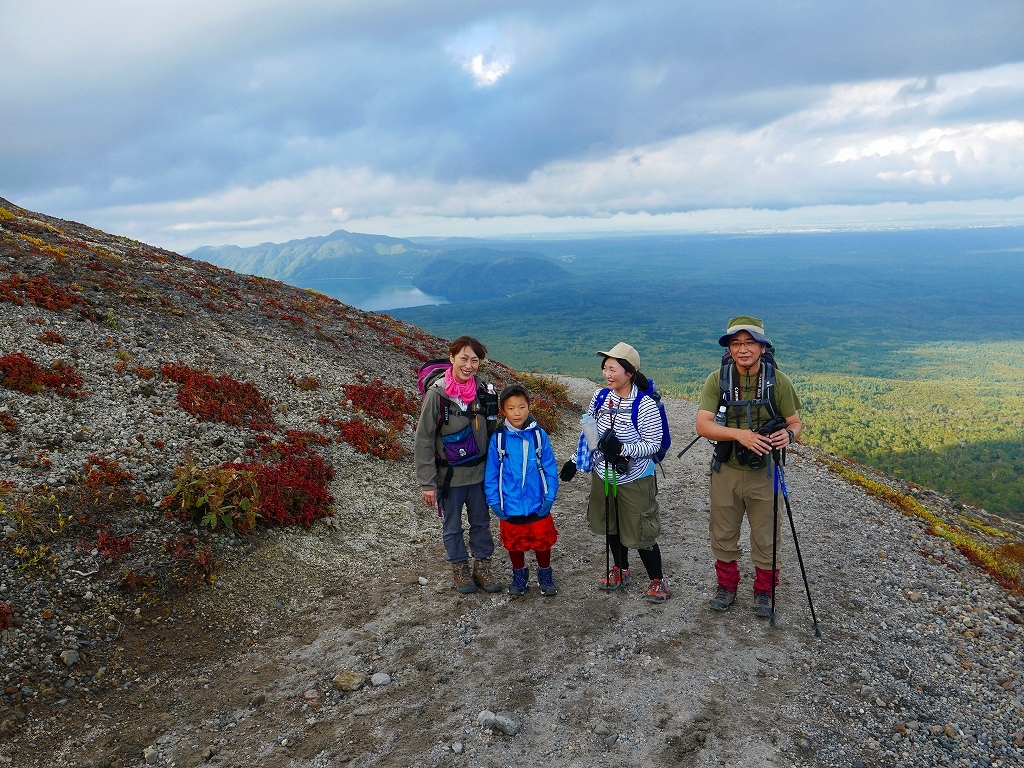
(102, 471)
(22, 374)
(112, 546)
(219, 399)
(378, 400)
(50, 337)
(6, 616)
(367, 438)
(37, 290)
(293, 481)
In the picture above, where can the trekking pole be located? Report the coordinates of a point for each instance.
(775, 530)
(785, 496)
(692, 443)
(618, 535)
(607, 537)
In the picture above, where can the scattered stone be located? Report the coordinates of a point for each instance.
(422, 581)
(70, 658)
(348, 681)
(151, 755)
(457, 747)
(485, 719)
(380, 678)
(507, 723)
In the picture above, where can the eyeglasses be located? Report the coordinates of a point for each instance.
(744, 344)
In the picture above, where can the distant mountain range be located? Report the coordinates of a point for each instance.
(448, 269)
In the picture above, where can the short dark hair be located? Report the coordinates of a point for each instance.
(467, 341)
(513, 390)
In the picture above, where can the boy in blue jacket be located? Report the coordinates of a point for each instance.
(521, 483)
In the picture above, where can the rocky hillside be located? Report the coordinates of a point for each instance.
(149, 399)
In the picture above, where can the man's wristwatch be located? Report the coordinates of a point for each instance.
(792, 437)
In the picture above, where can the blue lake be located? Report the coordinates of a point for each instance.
(373, 294)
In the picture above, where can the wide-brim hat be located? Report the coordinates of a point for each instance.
(623, 351)
(752, 325)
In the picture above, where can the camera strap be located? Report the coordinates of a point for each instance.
(732, 395)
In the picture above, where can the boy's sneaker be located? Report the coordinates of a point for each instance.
(546, 582)
(657, 592)
(520, 582)
(617, 577)
(763, 605)
(722, 600)
(484, 578)
(463, 578)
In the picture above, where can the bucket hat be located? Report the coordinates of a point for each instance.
(752, 325)
(623, 351)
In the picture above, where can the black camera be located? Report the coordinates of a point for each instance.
(746, 456)
(620, 464)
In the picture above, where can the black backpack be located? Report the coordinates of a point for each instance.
(729, 397)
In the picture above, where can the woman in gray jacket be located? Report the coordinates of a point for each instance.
(451, 452)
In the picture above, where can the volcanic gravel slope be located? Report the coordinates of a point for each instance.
(344, 643)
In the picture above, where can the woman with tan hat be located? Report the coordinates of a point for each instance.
(623, 503)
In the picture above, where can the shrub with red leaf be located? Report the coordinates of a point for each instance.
(219, 399)
(112, 546)
(22, 374)
(8, 423)
(50, 337)
(378, 400)
(6, 616)
(37, 290)
(293, 483)
(101, 471)
(192, 566)
(367, 438)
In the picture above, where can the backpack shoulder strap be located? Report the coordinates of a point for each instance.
(602, 395)
(634, 412)
(538, 443)
(769, 385)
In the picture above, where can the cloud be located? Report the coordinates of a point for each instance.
(249, 120)
(484, 53)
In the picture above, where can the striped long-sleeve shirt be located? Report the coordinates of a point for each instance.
(638, 445)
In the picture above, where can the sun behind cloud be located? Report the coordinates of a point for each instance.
(486, 72)
(484, 53)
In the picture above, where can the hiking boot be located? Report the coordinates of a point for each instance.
(463, 578)
(763, 605)
(546, 582)
(722, 600)
(617, 577)
(657, 592)
(484, 578)
(520, 582)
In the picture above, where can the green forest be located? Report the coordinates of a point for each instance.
(906, 347)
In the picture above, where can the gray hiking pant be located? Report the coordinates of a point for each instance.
(481, 543)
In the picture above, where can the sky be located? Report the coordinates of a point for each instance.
(196, 123)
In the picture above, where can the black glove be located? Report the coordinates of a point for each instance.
(568, 471)
(610, 445)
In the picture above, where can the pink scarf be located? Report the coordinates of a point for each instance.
(454, 388)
